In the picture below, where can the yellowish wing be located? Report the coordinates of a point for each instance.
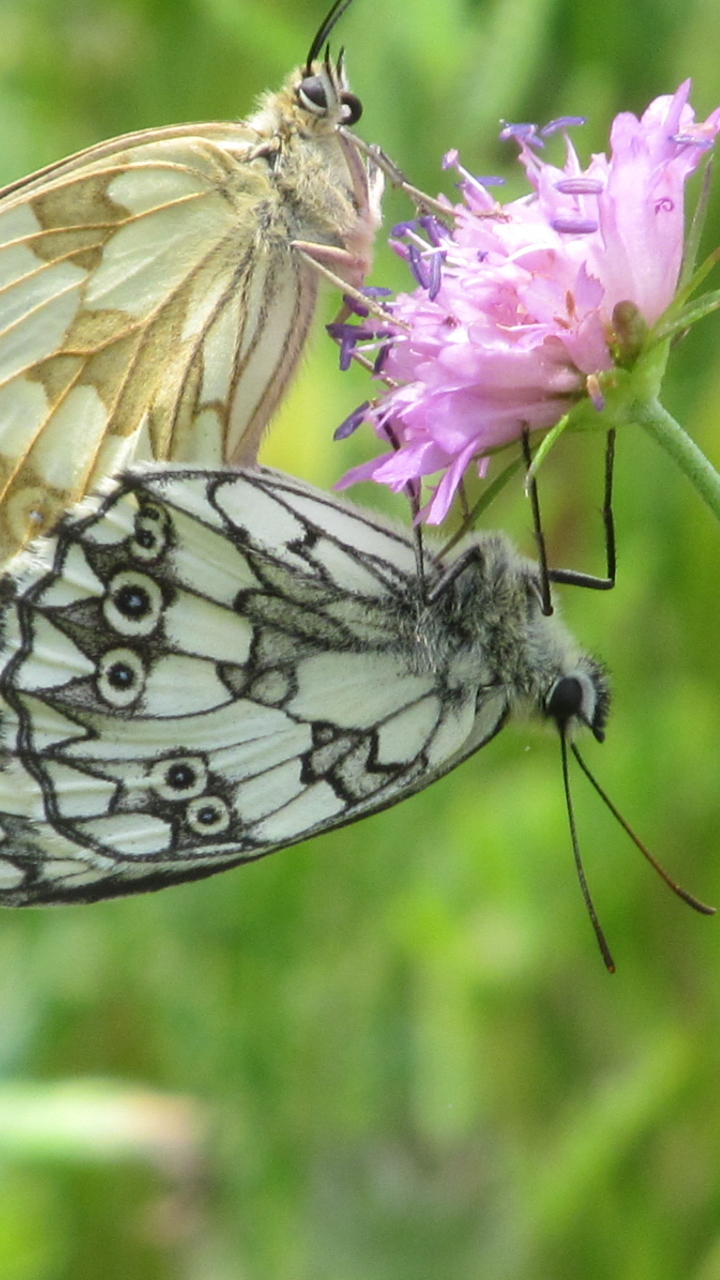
(152, 303)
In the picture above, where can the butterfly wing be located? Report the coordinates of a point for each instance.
(139, 316)
(152, 303)
(206, 668)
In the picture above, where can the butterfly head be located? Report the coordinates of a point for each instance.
(322, 89)
(315, 100)
(323, 92)
(580, 697)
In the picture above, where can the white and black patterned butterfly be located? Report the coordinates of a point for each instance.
(199, 668)
(156, 290)
(205, 667)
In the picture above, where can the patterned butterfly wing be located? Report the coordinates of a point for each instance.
(156, 292)
(200, 668)
(205, 668)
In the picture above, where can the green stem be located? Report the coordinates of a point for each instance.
(662, 427)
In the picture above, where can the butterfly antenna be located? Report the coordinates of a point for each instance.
(677, 889)
(589, 905)
(332, 18)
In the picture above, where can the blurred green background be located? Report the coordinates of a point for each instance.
(394, 1053)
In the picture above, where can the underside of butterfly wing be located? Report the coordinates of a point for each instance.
(153, 304)
(140, 318)
(205, 668)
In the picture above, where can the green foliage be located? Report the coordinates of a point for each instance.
(393, 1054)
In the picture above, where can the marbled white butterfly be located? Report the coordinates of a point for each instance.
(156, 290)
(199, 668)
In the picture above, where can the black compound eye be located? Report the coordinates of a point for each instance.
(312, 93)
(584, 698)
(566, 700)
(353, 108)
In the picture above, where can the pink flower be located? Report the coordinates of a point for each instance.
(514, 309)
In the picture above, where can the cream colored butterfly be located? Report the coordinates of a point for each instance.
(156, 290)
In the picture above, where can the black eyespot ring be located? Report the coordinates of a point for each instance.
(120, 677)
(151, 532)
(133, 604)
(208, 815)
(180, 778)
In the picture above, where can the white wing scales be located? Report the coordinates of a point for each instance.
(202, 668)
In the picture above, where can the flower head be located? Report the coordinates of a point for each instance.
(514, 310)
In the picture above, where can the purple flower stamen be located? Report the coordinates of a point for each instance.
(579, 186)
(570, 226)
(520, 132)
(436, 260)
(432, 229)
(348, 336)
(691, 140)
(418, 266)
(426, 268)
(381, 357)
(370, 291)
(404, 228)
(352, 422)
(562, 122)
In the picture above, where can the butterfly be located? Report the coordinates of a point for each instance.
(199, 668)
(156, 290)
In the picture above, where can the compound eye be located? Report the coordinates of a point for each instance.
(312, 94)
(566, 700)
(353, 108)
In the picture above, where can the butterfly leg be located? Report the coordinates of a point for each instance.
(331, 263)
(367, 180)
(469, 556)
(573, 577)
